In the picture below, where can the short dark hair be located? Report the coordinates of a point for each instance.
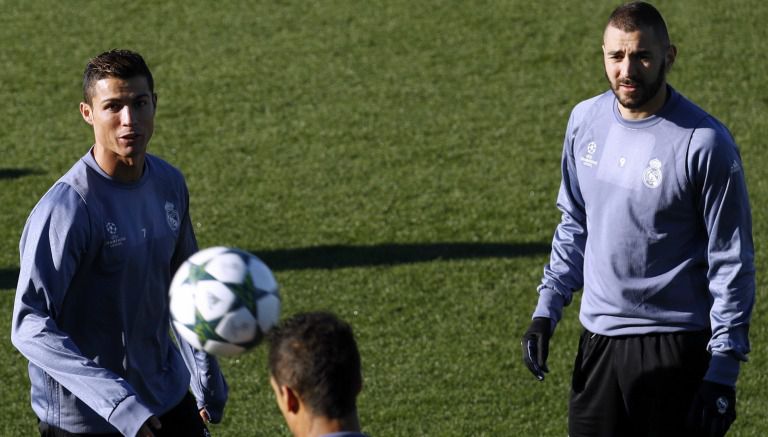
(315, 354)
(640, 15)
(119, 63)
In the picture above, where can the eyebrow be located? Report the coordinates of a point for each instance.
(640, 52)
(119, 99)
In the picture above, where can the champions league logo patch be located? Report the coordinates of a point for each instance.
(588, 158)
(111, 228)
(172, 216)
(652, 174)
(113, 238)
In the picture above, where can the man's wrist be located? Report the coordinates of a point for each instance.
(550, 304)
(129, 415)
(723, 369)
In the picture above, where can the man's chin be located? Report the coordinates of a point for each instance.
(630, 104)
(132, 150)
(633, 102)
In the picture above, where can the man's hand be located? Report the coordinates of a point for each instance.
(713, 409)
(146, 429)
(536, 346)
(205, 416)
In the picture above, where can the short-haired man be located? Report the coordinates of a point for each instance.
(656, 229)
(315, 373)
(97, 255)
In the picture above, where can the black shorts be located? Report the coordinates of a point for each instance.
(183, 420)
(636, 385)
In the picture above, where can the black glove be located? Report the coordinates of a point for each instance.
(536, 346)
(713, 409)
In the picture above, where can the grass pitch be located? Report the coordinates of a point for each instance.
(395, 162)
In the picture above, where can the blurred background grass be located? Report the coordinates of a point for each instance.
(396, 162)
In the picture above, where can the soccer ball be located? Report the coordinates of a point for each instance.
(223, 301)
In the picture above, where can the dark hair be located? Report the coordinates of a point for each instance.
(640, 15)
(316, 355)
(122, 64)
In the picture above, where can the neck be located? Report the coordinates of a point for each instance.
(651, 107)
(126, 169)
(318, 426)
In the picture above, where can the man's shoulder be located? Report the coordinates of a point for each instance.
(163, 167)
(707, 130)
(684, 113)
(599, 101)
(591, 108)
(75, 179)
(166, 173)
(64, 204)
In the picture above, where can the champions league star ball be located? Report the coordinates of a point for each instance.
(223, 301)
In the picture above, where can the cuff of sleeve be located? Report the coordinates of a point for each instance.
(550, 304)
(723, 369)
(215, 410)
(212, 391)
(129, 415)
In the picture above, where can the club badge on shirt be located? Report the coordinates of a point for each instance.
(172, 216)
(652, 174)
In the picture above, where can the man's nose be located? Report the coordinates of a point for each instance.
(628, 67)
(127, 116)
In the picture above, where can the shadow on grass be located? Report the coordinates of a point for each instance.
(340, 256)
(15, 173)
(8, 278)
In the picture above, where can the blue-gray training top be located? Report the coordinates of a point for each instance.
(656, 228)
(91, 310)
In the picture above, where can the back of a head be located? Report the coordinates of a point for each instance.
(635, 16)
(316, 355)
(117, 63)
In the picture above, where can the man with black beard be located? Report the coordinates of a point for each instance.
(656, 230)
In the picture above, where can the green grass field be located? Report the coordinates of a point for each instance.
(396, 162)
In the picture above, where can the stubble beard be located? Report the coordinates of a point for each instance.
(646, 91)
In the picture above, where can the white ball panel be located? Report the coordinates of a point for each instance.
(268, 308)
(204, 255)
(227, 267)
(223, 349)
(188, 335)
(213, 299)
(182, 304)
(238, 326)
(179, 277)
(262, 276)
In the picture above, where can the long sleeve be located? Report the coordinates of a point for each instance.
(54, 240)
(716, 170)
(206, 379)
(564, 273)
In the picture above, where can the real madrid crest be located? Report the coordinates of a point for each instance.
(172, 216)
(652, 174)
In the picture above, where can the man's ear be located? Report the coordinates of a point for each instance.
(86, 112)
(671, 55)
(287, 398)
(291, 399)
(154, 103)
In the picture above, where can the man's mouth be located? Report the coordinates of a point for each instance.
(629, 84)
